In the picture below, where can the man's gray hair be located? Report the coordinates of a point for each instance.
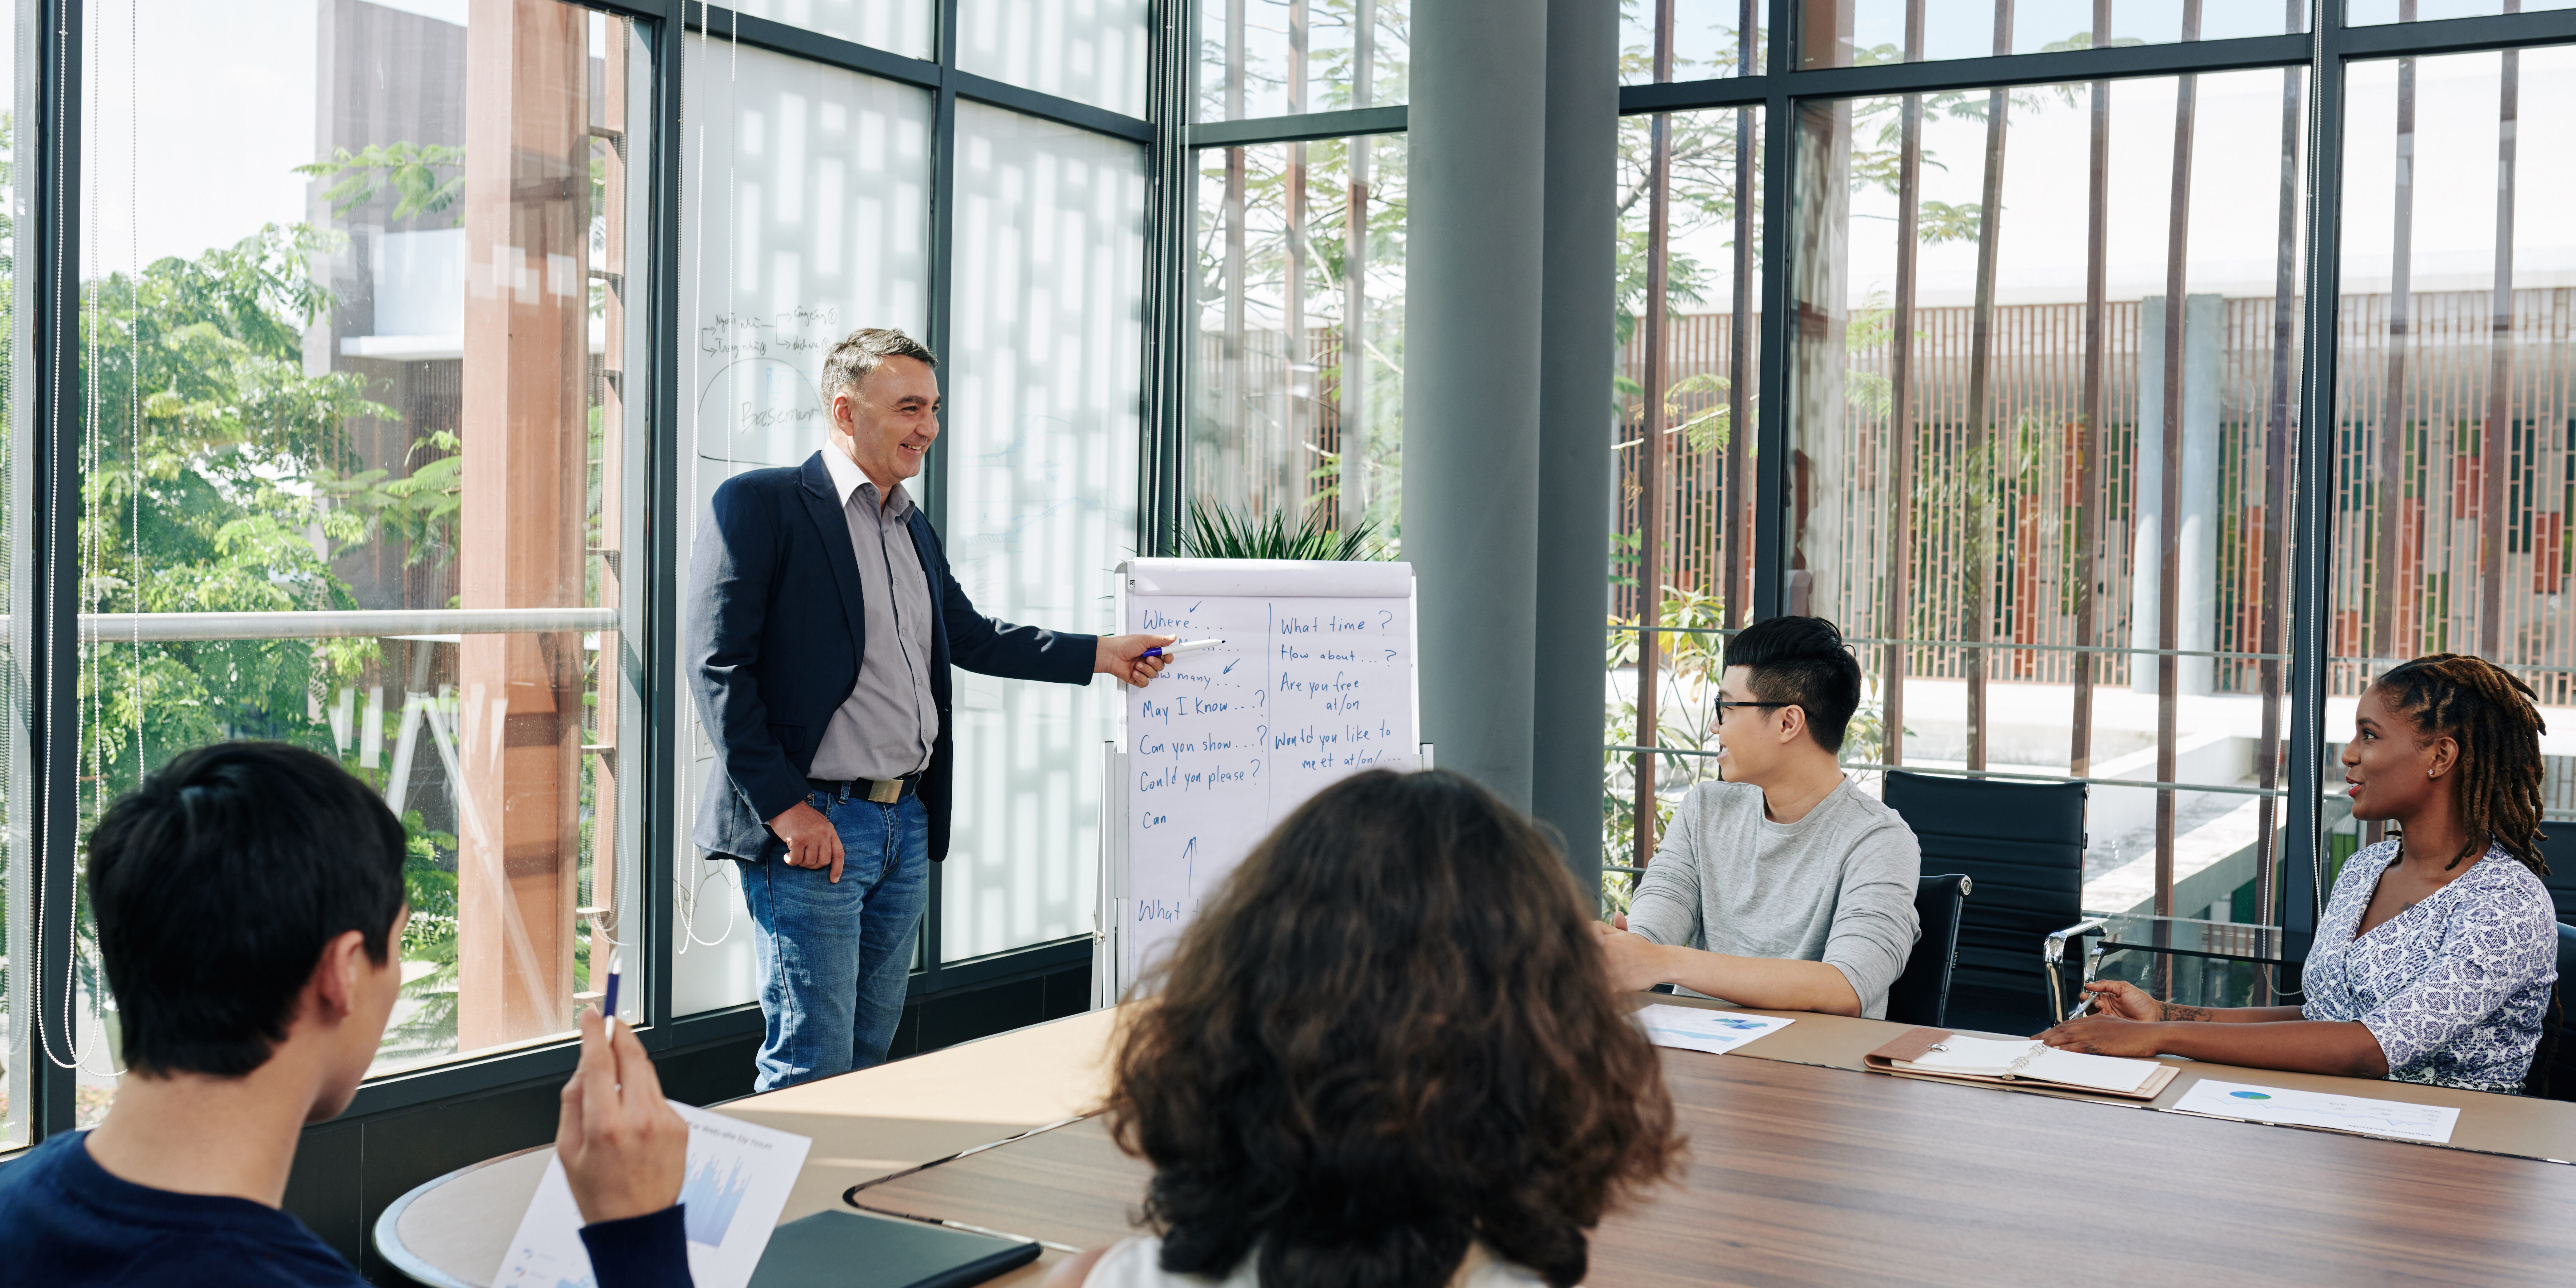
(864, 351)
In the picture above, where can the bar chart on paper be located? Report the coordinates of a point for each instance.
(1314, 682)
(734, 1186)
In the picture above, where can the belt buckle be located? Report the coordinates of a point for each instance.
(885, 791)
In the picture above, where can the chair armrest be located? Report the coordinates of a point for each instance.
(2052, 955)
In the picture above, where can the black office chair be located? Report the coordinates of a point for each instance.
(2023, 846)
(1921, 995)
(2553, 1063)
(2559, 852)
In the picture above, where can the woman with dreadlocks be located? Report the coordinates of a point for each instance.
(2435, 957)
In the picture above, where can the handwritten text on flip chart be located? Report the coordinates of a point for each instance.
(1229, 740)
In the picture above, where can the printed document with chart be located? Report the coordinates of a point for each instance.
(736, 1185)
(2362, 1115)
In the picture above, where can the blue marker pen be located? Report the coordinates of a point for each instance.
(608, 1000)
(1185, 646)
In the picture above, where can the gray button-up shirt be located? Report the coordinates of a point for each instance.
(885, 728)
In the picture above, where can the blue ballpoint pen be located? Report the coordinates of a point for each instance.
(1185, 646)
(608, 998)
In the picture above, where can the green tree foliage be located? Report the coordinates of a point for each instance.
(1322, 241)
(206, 488)
(1215, 532)
(418, 175)
(211, 481)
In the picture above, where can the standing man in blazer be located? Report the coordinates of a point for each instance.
(823, 621)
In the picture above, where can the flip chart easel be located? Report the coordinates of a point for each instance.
(1315, 682)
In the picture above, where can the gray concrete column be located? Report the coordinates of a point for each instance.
(1473, 296)
(1577, 424)
(2203, 317)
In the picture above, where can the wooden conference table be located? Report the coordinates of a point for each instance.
(1802, 1170)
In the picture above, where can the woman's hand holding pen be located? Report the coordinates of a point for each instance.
(2122, 1001)
(2123, 1022)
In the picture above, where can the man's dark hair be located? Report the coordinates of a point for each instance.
(1802, 661)
(218, 883)
(864, 351)
(1390, 1035)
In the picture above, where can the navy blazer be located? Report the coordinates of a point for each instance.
(774, 632)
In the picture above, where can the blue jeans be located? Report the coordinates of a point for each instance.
(834, 958)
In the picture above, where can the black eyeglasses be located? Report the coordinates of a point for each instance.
(1723, 704)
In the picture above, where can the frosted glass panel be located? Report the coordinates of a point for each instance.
(1045, 398)
(895, 26)
(804, 215)
(1091, 51)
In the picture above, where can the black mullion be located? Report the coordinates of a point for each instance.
(1685, 96)
(1298, 128)
(1771, 428)
(2455, 35)
(2119, 62)
(943, 242)
(663, 518)
(2312, 512)
(642, 10)
(1063, 111)
(44, 529)
(1172, 211)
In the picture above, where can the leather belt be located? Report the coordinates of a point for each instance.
(883, 791)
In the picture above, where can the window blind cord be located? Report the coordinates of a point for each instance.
(688, 894)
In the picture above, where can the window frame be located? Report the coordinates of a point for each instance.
(46, 427)
(2326, 50)
(46, 437)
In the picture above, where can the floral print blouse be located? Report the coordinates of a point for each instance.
(2454, 987)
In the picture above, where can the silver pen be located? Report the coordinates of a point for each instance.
(2078, 1012)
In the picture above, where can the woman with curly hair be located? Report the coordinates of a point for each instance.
(2434, 960)
(1385, 1056)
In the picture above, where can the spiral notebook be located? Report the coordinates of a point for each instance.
(1949, 1057)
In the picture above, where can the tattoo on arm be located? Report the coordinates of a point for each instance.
(2187, 1014)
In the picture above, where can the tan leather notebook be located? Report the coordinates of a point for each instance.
(1947, 1057)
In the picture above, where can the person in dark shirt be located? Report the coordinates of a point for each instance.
(249, 898)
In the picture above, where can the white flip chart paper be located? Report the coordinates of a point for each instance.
(1314, 683)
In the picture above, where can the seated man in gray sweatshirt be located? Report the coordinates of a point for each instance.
(1783, 887)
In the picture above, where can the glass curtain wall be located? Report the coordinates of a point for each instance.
(1298, 377)
(2051, 507)
(1090, 51)
(1862, 33)
(805, 209)
(1681, 556)
(2454, 470)
(811, 206)
(1263, 58)
(372, 354)
(1707, 39)
(1046, 377)
(906, 27)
